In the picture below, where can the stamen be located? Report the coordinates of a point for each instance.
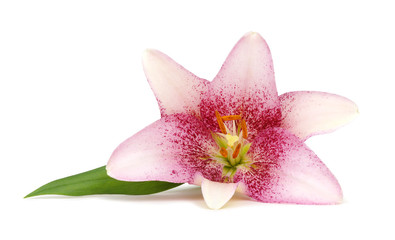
(244, 129)
(223, 152)
(220, 122)
(231, 117)
(237, 151)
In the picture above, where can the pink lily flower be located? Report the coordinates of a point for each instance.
(235, 132)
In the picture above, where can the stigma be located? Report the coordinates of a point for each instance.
(231, 139)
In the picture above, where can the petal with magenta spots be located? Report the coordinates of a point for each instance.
(172, 149)
(285, 170)
(245, 86)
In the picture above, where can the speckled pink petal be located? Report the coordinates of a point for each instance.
(217, 194)
(310, 113)
(176, 89)
(245, 85)
(172, 149)
(286, 171)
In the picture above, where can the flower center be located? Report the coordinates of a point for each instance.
(232, 144)
(231, 139)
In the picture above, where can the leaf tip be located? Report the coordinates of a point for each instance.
(29, 195)
(32, 194)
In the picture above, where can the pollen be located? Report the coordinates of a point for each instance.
(231, 117)
(220, 122)
(237, 151)
(223, 152)
(231, 139)
(244, 129)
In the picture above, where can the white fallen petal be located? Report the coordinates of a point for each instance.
(217, 194)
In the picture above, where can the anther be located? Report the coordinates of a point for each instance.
(244, 129)
(231, 117)
(220, 122)
(223, 152)
(237, 151)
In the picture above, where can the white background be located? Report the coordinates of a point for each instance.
(72, 88)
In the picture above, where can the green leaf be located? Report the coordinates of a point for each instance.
(97, 181)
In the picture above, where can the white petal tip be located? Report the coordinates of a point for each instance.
(217, 194)
(308, 113)
(355, 113)
(149, 52)
(252, 34)
(333, 196)
(337, 199)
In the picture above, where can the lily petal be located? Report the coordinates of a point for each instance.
(176, 89)
(308, 113)
(171, 149)
(285, 170)
(245, 85)
(217, 194)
